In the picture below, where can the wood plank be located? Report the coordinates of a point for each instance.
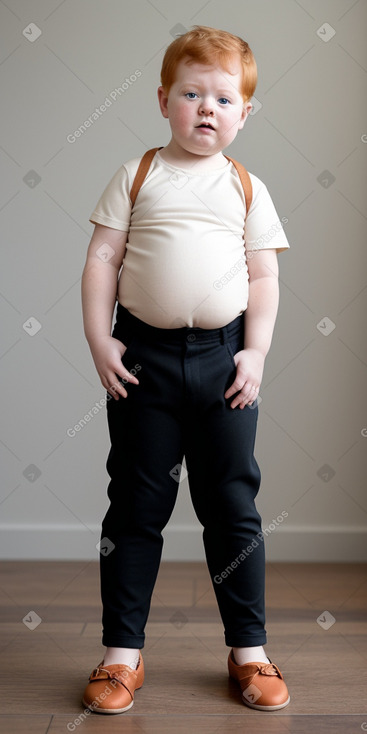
(187, 685)
(276, 723)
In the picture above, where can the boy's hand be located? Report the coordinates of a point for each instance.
(107, 353)
(250, 368)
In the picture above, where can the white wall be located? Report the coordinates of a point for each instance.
(312, 119)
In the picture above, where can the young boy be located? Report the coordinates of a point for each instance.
(197, 303)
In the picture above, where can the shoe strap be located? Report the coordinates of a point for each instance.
(120, 673)
(255, 669)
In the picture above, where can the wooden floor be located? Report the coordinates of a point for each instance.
(44, 670)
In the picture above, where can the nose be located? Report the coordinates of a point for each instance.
(206, 106)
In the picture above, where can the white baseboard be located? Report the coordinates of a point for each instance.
(184, 543)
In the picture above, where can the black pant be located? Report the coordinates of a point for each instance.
(177, 410)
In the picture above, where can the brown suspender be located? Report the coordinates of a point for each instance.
(245, 181)
(147, 158)
(142, 171)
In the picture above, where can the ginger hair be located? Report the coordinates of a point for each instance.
(210, 46)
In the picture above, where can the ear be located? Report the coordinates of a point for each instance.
(163, 101)
(246, 109)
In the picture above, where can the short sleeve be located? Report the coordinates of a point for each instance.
(114, 206)
(263, 228)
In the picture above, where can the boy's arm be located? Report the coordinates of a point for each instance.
(260, 317)
(99, 288)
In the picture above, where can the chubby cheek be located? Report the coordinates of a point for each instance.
(230, 125)
(181, 116)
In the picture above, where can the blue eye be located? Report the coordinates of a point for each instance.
(223, 100)
(191, 95)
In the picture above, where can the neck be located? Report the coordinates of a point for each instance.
(177, 156)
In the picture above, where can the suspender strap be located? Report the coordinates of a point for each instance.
(147, 158)
(245, 181)
(142, 171)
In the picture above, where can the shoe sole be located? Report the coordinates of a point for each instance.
(266, 708)
(97, 710)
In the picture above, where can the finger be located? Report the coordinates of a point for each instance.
(115, 386)
(112, 393)
(237, 385)
(111, 390)
(238, 400)
(247, 396)
(241, 402)
(252, 395)
(123, 376)
(116, 389)
(244, 394)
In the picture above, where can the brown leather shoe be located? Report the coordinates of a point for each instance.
(262, 684)
(111, 687)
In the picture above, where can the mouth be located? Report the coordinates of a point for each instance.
(205, 125)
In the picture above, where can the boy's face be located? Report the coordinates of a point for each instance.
(204, 94)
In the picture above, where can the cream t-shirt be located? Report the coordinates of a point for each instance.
(185, 260)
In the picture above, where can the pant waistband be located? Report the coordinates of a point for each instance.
(128, 324)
